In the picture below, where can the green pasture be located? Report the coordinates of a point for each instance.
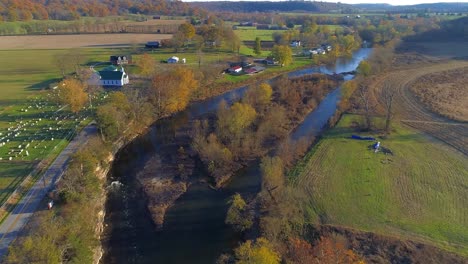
(251, 33)
(420, 192)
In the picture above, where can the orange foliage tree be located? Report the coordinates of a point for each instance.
(173, 89)
(72, 92)
(328, 250)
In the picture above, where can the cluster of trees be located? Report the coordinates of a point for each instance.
(212, 34)
(247, 129)
(14, 10)
(67, 233)
(269, 7)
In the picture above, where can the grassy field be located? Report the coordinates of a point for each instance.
(250, 33)
(419, 192)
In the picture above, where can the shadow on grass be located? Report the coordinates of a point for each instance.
(43, 85)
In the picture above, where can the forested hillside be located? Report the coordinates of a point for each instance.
(267, 6)
(24, 10)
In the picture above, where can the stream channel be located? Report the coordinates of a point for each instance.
(194, 230)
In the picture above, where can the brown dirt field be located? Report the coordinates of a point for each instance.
(413, 113)
(384, 249)
(77, 41)
(445, 93)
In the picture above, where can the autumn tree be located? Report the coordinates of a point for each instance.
(146, 64)
(237, 214)
(258, 46)
(72, 92)
(187, 30)
(232, 121)
(283, 54)
(367, 103)
(258, 252)
(62, 63)
(347, 90)
(107, 117)
(328, 250)
(258, 95)
(173, 89)
(388, 95)
(272, 169)
(364, 68)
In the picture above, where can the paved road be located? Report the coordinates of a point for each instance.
(22, 213)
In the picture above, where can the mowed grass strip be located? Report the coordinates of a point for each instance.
(251, 33)
(419, 192)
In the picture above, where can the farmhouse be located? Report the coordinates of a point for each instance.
(235, 69)
(110, 76)
(119, 60)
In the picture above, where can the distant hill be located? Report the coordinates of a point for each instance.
(323, 7)
(435, 7)
(270, 6)
(25, 10)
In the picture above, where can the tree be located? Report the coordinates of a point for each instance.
(107, 119)
(187, 30)
(258, 46)
(71, 92)
(388, 95)
(237, 214)
(63, 63)
(258, 95)
(367, 103)
(234, 121)
(328, 250)
(146, 64)
(364, 68)
(258, 252)
(347, 90)
(172, 89)
(120, 101)
(283, 54)
(272, 174)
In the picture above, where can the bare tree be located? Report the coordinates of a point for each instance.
(367, 103)
(388, 95)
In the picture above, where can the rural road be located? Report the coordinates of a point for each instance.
(21, 214)
(414, 114)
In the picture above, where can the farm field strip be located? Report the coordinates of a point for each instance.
(77, 41)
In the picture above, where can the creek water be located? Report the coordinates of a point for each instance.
(194, 229)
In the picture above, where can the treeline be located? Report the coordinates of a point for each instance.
(267, 6)
(67, 233)
(15, 10)
(248, 129)
(449, 30)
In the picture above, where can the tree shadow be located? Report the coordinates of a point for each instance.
(43, 85)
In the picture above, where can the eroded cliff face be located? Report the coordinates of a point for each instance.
(101, 174)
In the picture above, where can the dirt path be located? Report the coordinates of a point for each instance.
(414, 114)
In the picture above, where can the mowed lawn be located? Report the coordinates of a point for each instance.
(420, 192)
(251, 33)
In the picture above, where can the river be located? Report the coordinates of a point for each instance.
(194, 229)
